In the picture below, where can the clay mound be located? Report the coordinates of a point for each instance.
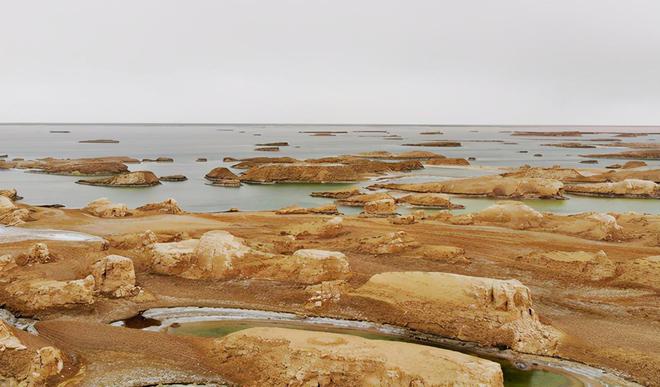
(449, 254)
(300, 173)
(485, 310)
(428, 200)
(308, 266)
(380, 207)
(11, 194)
(336, 194)
(133, 241)
(114, 276)
(595, 226)
(173, 258)
(10, 214)
(132, 179)
(167, 206)
(629, 188)
(27, 362)
(510, 214)
(391, 243)
(254, 357)
(593, 266)
(556, 173)
(219, 174)
(104, 208)
(488, 186)
(329, 209)
(38, 253)
(642, 271)
(221, 255)
(447, 161)
(620, 175)
(319, 229)
(40, 294)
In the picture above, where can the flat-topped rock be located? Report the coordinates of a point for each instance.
(488, 186)
(40, 294)
(642, 154)
(329, 209)
(447, 161)
(485, 310)
(629, 188)
(279, 356)
(593, 266)
(642, 271)
(360, 200)
(308, 266)
(136, 179)
(431, 200)
(633, 164)
(167, 206)
(619, 175)
(104, 208)
(300, 173)
(556, 173)
(336, 194)
(443, 144)
(173, 178)
(380, 207)
(413, 155)
(159, 160)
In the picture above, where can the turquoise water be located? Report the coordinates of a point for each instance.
(187, 143)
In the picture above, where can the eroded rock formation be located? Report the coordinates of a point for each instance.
(114, 276)
(39, 294)
(277, 356)
(167, 206)
(594, 266)
(485, 310)
(136, 179)
(629, 188)
(104, 208)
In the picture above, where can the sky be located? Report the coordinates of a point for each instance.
(336, 61)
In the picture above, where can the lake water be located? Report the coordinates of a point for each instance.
(186, 143)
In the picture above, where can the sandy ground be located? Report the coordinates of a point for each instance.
(607, 325)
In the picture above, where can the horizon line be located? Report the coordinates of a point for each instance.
(317, 124)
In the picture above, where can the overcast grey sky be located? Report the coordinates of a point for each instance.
(334, 61)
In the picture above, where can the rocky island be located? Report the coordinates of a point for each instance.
(138, 179)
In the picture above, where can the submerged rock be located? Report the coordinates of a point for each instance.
(278, 356)
(485, 310)
(132, 179)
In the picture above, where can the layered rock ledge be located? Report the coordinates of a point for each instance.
(136, 179)
(484, 310)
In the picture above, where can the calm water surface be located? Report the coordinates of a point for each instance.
(186, 143)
